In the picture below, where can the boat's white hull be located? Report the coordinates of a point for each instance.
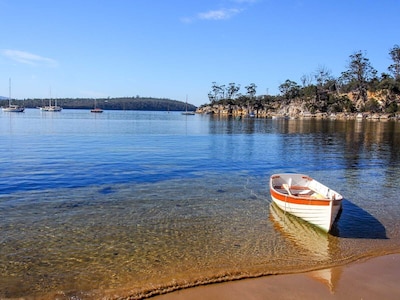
(51, 108)
(320, 216)
(13, 109)
(320, 211)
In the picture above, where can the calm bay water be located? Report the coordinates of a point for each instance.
(133, 203)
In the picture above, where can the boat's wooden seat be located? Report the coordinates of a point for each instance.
(280, 189)
(306, 192)
(298, 191)
(294, 190)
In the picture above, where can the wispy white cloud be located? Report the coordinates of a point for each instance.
(213, 15)
(28, 58)
(223, 13)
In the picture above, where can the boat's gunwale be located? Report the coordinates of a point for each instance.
(300, 200)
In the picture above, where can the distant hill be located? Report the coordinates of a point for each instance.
(123, 103)
(3, 98)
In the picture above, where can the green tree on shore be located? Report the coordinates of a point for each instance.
(359, 73)
(289, 89)
(394, 68)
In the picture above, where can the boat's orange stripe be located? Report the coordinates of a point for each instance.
(298, 200)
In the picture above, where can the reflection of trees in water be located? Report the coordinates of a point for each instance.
(351, 145)
(233, 125)
(361, 149)
(374, 138)
(372, 145)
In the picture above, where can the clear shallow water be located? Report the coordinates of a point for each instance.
(129, 203)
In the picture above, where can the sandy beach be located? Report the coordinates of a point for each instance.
(376, 278)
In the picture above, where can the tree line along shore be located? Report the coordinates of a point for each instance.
(358, 93)
(122, 103)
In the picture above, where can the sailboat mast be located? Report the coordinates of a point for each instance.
(9, 91)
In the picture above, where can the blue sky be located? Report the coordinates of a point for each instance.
(174, 48)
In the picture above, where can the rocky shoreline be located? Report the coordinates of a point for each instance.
(291, 112)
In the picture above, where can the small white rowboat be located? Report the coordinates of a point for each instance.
(306, 198)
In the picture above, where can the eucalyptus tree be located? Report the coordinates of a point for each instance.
(394, 68)
(217, 92)
(232, 90)
(358, 74)
(251, 90)
(289, 89)
(212, 98)
(322, 76)
(306, 80)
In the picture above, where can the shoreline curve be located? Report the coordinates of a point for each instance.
(368, 278)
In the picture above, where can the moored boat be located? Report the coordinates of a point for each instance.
(306, 198)
(95, 108)
(12, 107)
(186, 112)
(51, 108)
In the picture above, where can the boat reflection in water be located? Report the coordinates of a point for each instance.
(310, 242)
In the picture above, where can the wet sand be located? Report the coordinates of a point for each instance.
(376, 278)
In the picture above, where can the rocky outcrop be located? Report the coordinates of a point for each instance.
(293, 110)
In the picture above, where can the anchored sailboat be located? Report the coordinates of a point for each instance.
(95, 108)
(186, 112)
(51, 107)
(11, 107)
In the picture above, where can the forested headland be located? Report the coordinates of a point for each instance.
(122, 103)
(359, 90)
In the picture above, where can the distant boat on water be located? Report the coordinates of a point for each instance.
(50, 107)
(12, 107)
(95, 108)
(186, 112)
